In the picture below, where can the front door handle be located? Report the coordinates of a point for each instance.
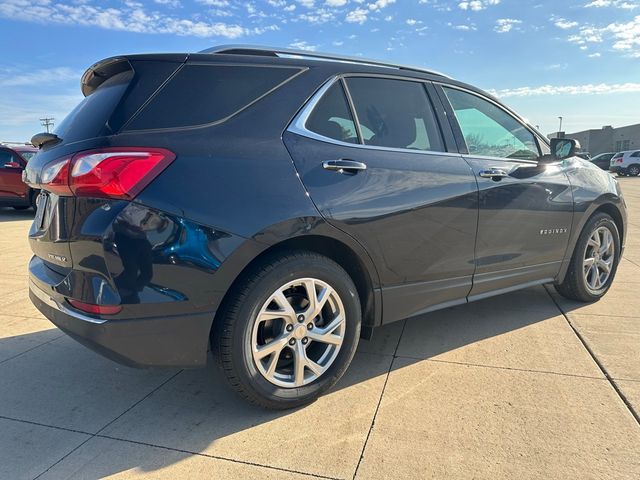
(493, 173)
(344, 166)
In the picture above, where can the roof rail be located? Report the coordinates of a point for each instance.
(288, 52)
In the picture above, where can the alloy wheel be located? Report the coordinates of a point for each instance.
(298, 332)
(598, 260)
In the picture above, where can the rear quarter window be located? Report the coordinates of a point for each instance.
(90, 116)
(205, 94)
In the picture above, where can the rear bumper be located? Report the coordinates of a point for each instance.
(616, 169)
(172, 341)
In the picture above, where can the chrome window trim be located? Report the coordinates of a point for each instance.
(498, 159)
(298, 123)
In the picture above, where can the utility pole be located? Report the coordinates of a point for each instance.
(47, 122)
(560, 128)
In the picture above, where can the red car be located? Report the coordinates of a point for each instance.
(13, 191)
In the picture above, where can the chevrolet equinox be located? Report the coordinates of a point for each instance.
(277, 205)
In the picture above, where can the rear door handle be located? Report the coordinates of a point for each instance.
(494, 173)
(344, 166)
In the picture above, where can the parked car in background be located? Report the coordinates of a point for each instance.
(626, 163)
(13, 191)
(603, 160)
(279, 204)
(584, 155)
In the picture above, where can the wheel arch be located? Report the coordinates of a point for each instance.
(611, 210)
(344, 254)
(606, 205)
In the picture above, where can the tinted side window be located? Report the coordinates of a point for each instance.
(489, 130)
(332, 117)
(201, 94)
(636, 154)
(395, 113)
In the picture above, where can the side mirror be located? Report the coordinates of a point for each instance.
(562, 148)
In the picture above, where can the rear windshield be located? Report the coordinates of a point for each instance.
(90, 116)
(204, 94)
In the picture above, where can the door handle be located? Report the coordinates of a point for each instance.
(344, 166)
(493, 173)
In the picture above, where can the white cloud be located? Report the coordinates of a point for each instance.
(302, 45)
(588, 89)
(594, 55)
(564, 24)
(318, 16)
(463, 27)
(622, 36)
(380, 4)
(359, 15)
(214, 3)
(477, 5)
(169, 3)
(626, 5)
(131, 17)
(336, 3)
(504, 25)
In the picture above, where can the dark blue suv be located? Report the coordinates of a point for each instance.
(278, 205)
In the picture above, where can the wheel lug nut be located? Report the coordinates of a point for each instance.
(292, 341)
(305, 340)
(310, 326)
(289, 328)
(301, 318)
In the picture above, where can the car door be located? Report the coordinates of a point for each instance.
(525, 206)
(11, 185)
(371, 154)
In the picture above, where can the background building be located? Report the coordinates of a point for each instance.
(606, 139)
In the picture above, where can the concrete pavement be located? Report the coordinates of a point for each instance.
(524, 385)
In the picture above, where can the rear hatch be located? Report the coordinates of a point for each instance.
(115, 89)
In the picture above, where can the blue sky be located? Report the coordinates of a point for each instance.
(575, 58)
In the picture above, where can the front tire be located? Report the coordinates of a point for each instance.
(634, 170)
(289, 330)
(594, 261)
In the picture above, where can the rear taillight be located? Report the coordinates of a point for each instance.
(55, 176)
(95, 309)
(107, 173)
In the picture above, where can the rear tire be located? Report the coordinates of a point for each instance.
(597, 249)
(270, 311)
(633, 170)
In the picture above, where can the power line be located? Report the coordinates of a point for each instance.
(47, 122)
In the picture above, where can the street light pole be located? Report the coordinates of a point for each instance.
(560, 128)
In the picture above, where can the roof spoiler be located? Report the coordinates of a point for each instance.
(100, 72)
